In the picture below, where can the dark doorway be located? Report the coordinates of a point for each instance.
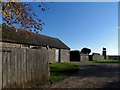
(90, 58)
(74, 56)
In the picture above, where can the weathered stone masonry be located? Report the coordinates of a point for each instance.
(65, 55)
(10, 45)
(52, 55)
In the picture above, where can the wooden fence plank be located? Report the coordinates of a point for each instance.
(28, 66)
(13, 63)
(1, 68)
(19, 67)
(24, 67)
(4, 68)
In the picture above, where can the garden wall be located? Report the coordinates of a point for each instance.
(84, 57)
(64, 55)
(97, 57)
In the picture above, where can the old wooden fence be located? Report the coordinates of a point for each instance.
(24, 68)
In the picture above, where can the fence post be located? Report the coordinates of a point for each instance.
(0, 68)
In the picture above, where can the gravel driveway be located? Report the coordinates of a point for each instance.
(100, 75)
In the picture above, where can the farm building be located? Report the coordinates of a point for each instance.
(113, 57)
(80, 57)
(97, 56)
(13, 38)
(26, 56)
(76, 55)
(84, 57)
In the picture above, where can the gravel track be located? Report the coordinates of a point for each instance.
(100, 75)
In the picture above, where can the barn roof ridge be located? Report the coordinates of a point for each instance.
(30, 38)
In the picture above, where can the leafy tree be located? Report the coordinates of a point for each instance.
(21, 14)
(104, 49)
(86, 50)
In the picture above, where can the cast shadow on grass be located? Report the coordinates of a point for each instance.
(115, 84)
(98, 71)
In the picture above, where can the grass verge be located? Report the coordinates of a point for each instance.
(107, 61)
(60, 71)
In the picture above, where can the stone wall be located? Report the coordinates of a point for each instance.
(84, 57)
(52, 55)
(64, 55)
(97, 57)
(14, 45)
(10, 45)
(113, 57)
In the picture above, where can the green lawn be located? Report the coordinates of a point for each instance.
(60, 71)
(107, 61)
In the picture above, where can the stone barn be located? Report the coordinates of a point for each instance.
(15, 38)
(26, 56)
